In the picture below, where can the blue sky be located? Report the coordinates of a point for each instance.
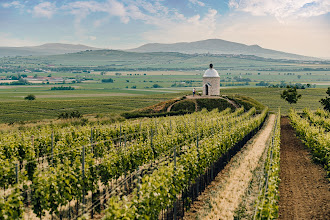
(297, 26)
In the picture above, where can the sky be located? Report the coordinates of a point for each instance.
(295, 26)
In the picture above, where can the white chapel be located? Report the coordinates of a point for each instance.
(211, 82)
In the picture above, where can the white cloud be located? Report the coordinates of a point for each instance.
(15, 4)
(302, 28)
(187, 29)
(83, 8)
(116, 8)
(282, 9)
(44, 9)
(196, 2)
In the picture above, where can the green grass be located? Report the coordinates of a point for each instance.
(92, 98)
(139, 73)
(18, 111)
(271, 97)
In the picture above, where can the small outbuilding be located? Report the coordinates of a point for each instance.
(211, 82)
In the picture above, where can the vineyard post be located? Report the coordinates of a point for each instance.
(32, 142)
(16, 170)
(120, 137)
(125, 171)
(195, 124)
(151, 145)
(174, 181)
(138, 182)
(92, 140)
(52, 144)
(170, 125)
(197, 147)
(271, 152)
(83, 177)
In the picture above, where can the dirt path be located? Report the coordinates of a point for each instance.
(304, 190)
(222, 197)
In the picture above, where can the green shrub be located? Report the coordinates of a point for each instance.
(186, 105)
(63, 88)
(30, 97)
(67, 115)
(210, 104)
(107, 80)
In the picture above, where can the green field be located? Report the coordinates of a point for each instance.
(271, 97)
(113, 104)
(143, 79)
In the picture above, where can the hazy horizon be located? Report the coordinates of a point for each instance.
(299, 27)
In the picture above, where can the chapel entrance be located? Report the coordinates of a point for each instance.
(206, 89)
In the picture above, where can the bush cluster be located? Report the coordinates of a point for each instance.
(73, 114)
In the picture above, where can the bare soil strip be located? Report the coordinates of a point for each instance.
(223, 196)
(304, 189)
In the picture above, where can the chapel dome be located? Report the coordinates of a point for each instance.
(211, 72)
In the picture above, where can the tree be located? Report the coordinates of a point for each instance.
(107, 80)
(30, 97)
(290, 95)
(326, 101)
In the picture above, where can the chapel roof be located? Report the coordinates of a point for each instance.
(211, 72)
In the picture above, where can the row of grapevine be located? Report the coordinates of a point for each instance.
(11, 206)
(316, 119)
(14, 144)
(115, 163)
(161, 189)
(56, 186)
(315, 138)
(60, 152)
(323, 113)
(267, 202)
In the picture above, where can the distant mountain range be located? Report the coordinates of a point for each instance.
(45, 49)
(211, 46)
(218, 46)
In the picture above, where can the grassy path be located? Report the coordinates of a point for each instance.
(304, 190)
(223, 196)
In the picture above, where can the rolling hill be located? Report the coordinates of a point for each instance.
(115, 60)
(45, 49)
(218, 46)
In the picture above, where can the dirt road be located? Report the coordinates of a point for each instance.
(222, 197)
(304, 190)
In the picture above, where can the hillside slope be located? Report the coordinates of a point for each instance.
(114, 60)
(218, 46)
(45, 49)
